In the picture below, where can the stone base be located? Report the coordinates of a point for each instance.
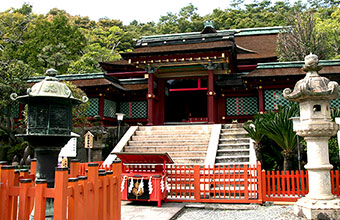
(318, 209)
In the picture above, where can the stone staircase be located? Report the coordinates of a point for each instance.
(234, 146)
(186, 144)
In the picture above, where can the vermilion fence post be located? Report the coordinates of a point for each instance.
(94, 195)
(102, 175)
(264, 185)
(39, 199)
(117, 171)
(33, 166)
(73, 199)
(60, 193)
(197, 184)
(24, 200)
(15, 198)
(83, 203)
(7, 182)
(74, 168)
(246, 183)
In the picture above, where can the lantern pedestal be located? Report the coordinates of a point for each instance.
(317, 209)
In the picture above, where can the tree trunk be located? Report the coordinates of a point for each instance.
(258, 153)
(287, 160)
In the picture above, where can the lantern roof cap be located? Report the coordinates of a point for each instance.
(313, 86)
(49, 87)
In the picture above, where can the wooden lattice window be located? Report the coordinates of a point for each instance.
(273, 99)
(241, 106)
(137, 109)
(110, 108)
(94, 107)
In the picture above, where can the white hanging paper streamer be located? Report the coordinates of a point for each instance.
(141, 186)
(150, 185)
(162, 184)
(131, 185)
(122, 186)
(167, 185)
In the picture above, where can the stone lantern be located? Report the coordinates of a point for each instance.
(49, 121)
(315, 124)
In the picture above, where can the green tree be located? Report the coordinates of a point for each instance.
(331, 27)
(301, 38)
(52, 36)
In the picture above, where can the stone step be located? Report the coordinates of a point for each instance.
(232, 135)
(233, 130)
(236, 125)
(174, 132)
(232, 159)
(174, 127)
(175, 154)
(233, 152)
(233, 146)
(171, 137)
(235, 141)
(231, 163)
(165, 148)
(189, 160)
(168, 142)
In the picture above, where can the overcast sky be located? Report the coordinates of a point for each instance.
(125, 10)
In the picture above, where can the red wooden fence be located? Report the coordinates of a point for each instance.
(235, 183)
(93, 196)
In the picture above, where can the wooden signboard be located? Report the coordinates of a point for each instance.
(88, 143)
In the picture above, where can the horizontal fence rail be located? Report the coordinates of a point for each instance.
(93, 196)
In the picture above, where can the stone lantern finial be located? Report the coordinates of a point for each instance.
(311, 63)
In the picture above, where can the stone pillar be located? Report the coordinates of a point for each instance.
(316, 126)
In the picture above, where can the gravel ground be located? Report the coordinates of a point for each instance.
(257, 213)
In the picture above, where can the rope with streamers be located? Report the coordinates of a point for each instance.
(167, 185)
(141, 186)
(131, 185)
(122, 186)
(150, 185)
(162, 184)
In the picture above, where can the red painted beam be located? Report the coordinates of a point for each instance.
(187, 89)
(246, 67)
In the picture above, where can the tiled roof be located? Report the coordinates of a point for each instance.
(292, 68)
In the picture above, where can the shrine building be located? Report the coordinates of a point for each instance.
(201, 77)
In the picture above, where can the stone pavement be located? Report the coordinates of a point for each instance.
(149, 210)
(214, 211)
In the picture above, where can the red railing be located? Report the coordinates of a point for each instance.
(234, 183)
(222, 184)
(284, 185)
(93, 196)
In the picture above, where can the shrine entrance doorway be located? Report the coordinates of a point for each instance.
(186, 101)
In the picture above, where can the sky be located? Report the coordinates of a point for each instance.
(125, 10)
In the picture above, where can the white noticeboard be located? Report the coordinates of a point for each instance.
(70, 149)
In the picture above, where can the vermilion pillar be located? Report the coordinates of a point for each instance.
(211, 94)
(261, 99)
(151, 99)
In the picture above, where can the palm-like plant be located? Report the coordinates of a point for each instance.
(278, 127)
(255, 132)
